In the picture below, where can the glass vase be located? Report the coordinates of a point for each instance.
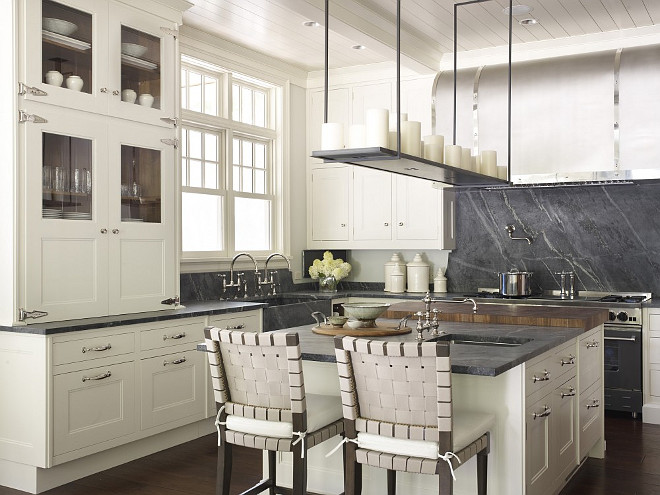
(328, 284)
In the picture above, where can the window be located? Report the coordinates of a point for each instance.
(229, 163)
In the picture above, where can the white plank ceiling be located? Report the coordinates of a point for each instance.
(275, 27)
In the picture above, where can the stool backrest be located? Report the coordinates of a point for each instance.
(257, 375)
(396, 389)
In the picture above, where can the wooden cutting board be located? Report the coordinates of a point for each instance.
(379, 330)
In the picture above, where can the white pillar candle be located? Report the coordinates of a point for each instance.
(404, 117)
(453, 153)
(466, 159)
(411, 137)
(377, 127)
(434, 147)
(332, 136)
(476, 164)
(392, 140)
(356, 136)
(489, 162)
(502, 173)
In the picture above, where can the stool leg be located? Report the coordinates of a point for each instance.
(391, 482)
(482, 472)
(352, 472)
(446, 481)
(223, 469)
(272, 471)
(299, 473)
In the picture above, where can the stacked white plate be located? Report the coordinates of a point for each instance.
(77, 215)
(51, 213)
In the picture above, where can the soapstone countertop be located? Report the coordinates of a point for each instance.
(486, 360)
(188, 310)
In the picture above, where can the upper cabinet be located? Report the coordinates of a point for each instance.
(99, 56)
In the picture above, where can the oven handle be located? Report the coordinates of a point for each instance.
(625, 339)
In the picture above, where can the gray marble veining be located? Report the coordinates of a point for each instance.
(608, 235)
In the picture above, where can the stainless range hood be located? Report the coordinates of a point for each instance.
(395, 161)
(403, 164)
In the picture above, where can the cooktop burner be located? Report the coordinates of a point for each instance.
(496, 295)
(623, 299)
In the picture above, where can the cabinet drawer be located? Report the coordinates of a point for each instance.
(92, 347)
(173, 388)
(590, 417)
(172, 335)
(248, 322)
(654, 350)
(590, 352)
(654, 322)
(93, 406)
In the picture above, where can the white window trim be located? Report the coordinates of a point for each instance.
(280, 180)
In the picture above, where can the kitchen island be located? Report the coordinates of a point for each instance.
(543, 384)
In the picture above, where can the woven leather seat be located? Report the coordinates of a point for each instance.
(260, 394)
(398, 414)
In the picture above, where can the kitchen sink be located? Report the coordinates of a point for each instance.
(285, 300)
(482, 340)
(287, 311)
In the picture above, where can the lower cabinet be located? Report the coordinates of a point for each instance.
(92, 406)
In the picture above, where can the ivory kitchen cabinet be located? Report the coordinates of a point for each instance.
(651, 367)
(328, 203)
(115, 46)
(92, 247)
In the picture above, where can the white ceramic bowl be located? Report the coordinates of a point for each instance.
(133, 50)
(58, 26)
(365, 310)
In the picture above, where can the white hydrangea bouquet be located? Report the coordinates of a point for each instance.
(329, 271)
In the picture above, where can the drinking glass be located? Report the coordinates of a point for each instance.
(47, 177)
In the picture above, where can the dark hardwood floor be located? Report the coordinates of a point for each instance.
(631, 467)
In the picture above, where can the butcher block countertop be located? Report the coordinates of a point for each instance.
(509, 314)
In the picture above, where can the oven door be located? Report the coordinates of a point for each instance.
(623, 357)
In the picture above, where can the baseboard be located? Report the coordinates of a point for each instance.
(32, 479)
(651, 413)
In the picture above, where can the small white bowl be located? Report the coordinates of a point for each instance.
(354, 323)
(133, 50)
(58, 26)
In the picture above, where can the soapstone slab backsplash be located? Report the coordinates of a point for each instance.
(608, 235)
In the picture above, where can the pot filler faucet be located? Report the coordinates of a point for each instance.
(431, 323)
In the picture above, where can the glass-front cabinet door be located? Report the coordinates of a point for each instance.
(66, 231)
(61, 49)
(143, 59)
(141, 212)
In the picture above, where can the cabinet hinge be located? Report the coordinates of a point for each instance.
(24, 89)
(171, 120)
(23, 116)
(23, 315)
(170, 31)
(172, 301)
(171, 142)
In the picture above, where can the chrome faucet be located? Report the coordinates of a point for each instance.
(564, 291)
(429, 318)
(273, 273)
(240, 282)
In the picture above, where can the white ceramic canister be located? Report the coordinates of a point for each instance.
(146, 100)
(54, 78)
(440, 281)
(128, 95)
(74, 83)
(418, 274)
(389, 267)
(397, 282)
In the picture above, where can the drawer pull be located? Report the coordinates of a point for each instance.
(571, 360)
(235, 327)
(570, 393)
(544, 378)
(102, 376)
(176, 361)
(592, 344)
(594, 403)
(96, 349)
(546, 412)
(176, 336)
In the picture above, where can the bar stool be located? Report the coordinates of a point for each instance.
(397, 408)
(260, 395)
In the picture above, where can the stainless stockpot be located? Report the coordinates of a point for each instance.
(515, 283)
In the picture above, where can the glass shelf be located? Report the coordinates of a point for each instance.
(138, 62)
(65, 41)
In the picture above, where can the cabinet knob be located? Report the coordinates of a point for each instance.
(343, 225)
(115, 231)
(104, 231)
(387, 224)
(104, 90)
(400, 224)
(115, 92)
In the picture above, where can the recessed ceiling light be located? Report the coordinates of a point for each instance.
(528, 22)
(518, 10)
(311, 24)
(358, 47)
